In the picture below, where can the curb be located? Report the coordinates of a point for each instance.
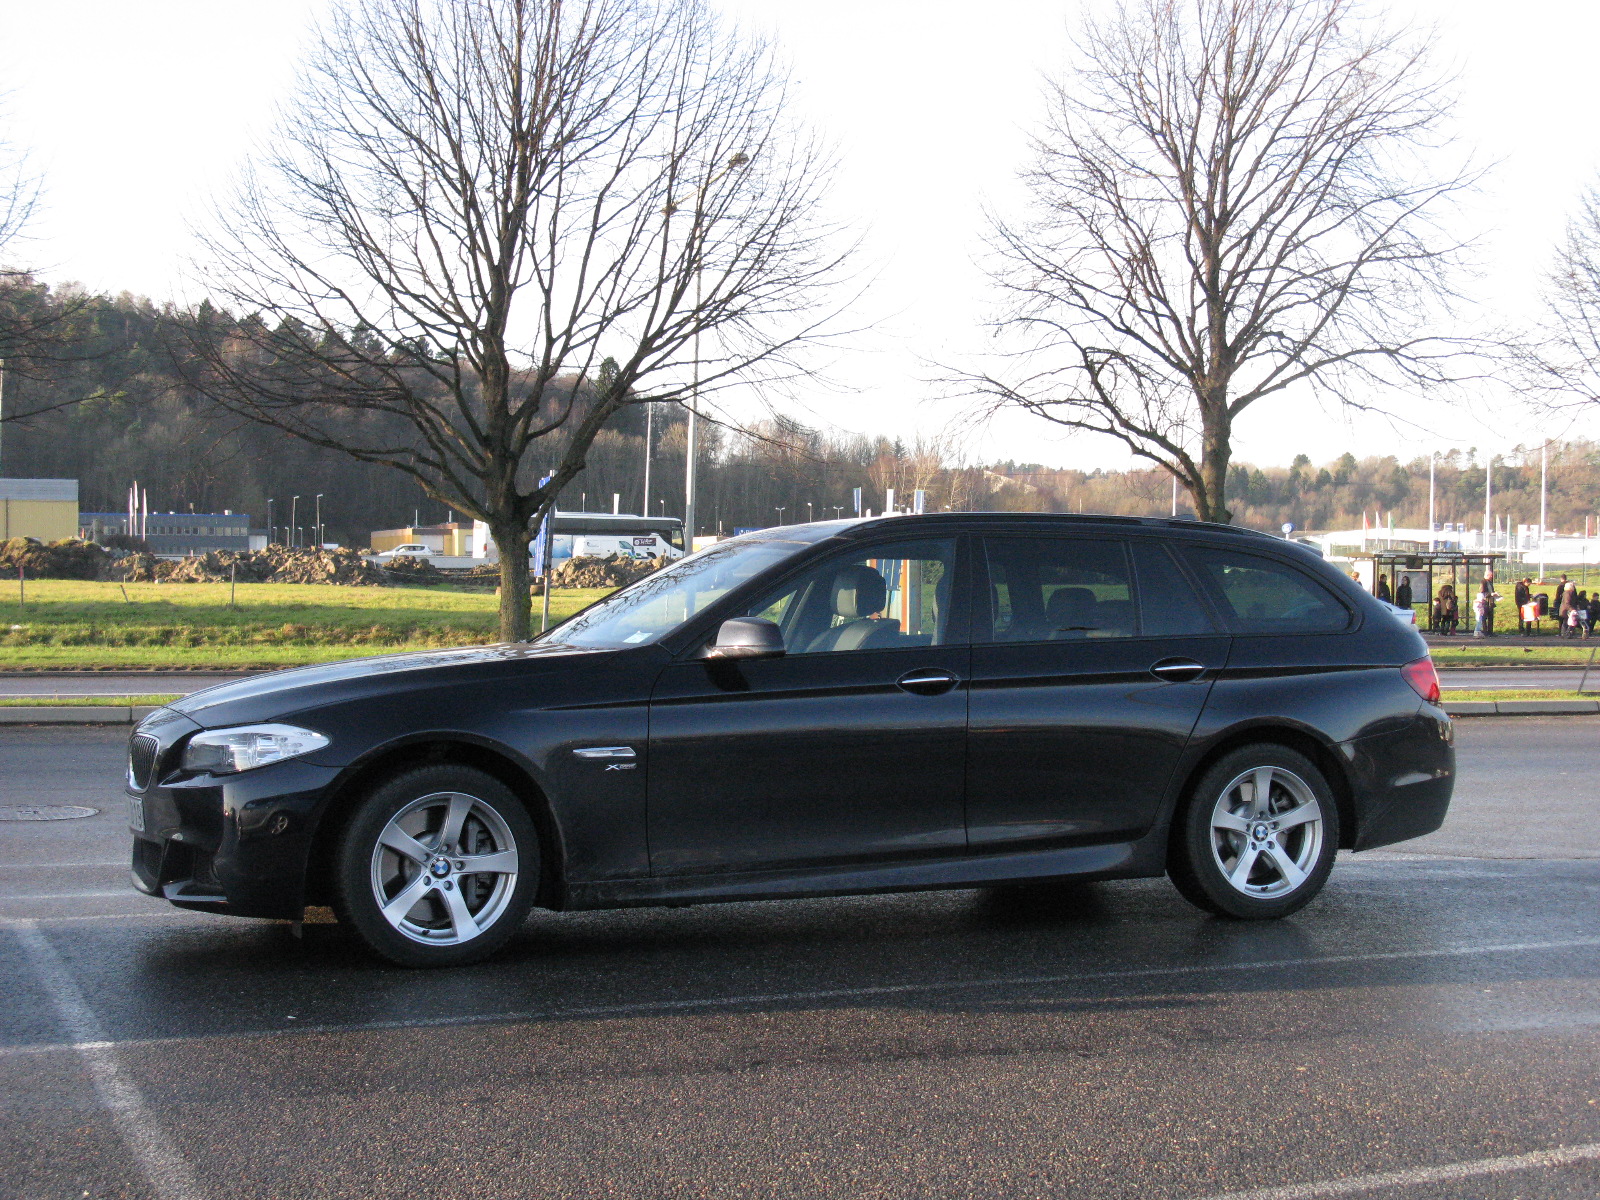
(1519, 708)
(75, 714)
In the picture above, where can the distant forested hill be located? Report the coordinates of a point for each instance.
(126, 416)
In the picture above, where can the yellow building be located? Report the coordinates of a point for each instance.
(453, 540)
(46, 509)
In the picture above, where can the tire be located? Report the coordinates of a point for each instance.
(416, 906)
(1265, 866)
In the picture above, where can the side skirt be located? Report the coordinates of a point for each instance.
(1143, 858)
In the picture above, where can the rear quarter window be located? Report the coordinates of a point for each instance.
(1262, 595)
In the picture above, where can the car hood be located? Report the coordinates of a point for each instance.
(309, 687)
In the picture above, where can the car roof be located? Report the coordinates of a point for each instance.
(864, 526)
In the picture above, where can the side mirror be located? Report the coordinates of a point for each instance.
(747, 637)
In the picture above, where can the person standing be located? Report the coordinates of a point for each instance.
(1520, 598)
(1402, 593)
(1567, 622)
(1383, 590)
(1483, 610)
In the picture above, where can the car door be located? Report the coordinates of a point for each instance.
(850, 747)
(1091, 663)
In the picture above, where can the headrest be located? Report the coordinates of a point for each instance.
(858, 591)
(1069, 606)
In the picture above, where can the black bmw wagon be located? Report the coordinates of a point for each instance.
(940, 701)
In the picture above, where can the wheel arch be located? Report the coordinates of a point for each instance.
(426, 750)
(1322, 753)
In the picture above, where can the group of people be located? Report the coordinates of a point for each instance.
(1575, 611)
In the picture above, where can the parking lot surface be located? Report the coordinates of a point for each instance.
(1429, 1028)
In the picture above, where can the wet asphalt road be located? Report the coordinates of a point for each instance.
(1439, 1006)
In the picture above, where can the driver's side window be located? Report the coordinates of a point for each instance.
(874, 598)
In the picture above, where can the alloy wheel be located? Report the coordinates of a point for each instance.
(444, 868)
(1266, 832)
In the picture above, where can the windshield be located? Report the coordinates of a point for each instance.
(660, 603)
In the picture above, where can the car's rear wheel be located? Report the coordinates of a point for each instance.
(437, 867)
(1258, 835)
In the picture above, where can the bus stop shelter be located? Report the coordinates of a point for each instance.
(1429, 570)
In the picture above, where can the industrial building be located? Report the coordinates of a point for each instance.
(174, 533)
(46, 509)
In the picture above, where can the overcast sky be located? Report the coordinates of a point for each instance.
(135, 111)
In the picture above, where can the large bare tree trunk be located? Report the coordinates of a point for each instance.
(516, 604)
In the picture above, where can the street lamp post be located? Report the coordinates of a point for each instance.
(1488, 494)
(1544, 483)
(272, 533)
(319, 521)
(294, 520)
(779, 511)
(838, 511)
(735, 160)
(1432, 455)
(809, 516)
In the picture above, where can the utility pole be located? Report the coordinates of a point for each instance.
(649, 444)
(1432, 456)
(1544, 484)
(294, 520)
(318, 534)
(2, 417)
(1488, 494)
(272, 531)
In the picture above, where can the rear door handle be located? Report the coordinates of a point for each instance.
(927, 683)
(1178, 670)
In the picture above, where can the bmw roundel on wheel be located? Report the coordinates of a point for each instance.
(951, 700)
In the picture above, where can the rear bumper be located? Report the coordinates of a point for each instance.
(239, 845)
(1401, 780)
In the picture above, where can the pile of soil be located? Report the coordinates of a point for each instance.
(275, 564)
(616, 570)
(68, 559)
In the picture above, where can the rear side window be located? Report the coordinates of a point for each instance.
(1261, 595)
(1058, 589)
(1168, 605)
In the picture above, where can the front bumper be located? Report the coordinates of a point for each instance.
(238, 844)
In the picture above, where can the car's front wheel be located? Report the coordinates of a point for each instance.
(437, 867)
(1258, 835)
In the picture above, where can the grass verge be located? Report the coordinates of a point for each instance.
(1447, 653)
(86, 701)
(1514, 694)
(173, 626)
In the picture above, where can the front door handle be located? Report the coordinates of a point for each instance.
(927, 683)
(1178, 670)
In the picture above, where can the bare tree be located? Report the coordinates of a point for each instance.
(1566, 364)
(474, 203)
(1230, 198)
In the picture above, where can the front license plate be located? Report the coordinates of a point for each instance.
(136, 814)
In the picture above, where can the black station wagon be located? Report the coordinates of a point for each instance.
(941, 701)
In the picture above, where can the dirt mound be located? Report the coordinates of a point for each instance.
(409, 569)
(68, 559)
(275, 564)
(614, 571)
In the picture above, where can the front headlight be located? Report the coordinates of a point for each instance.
(227, 751)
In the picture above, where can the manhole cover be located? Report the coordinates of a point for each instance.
(44, 812)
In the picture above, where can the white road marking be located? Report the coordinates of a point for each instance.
(102, 894)
(648, 1007)
(169, 1175)
(32, 866)
(1448, 1172)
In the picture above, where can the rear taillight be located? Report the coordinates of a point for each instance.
(1424, 680)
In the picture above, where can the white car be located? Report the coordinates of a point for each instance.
(409, 550)
(1406, 616)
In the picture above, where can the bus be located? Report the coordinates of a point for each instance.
(599, 535)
